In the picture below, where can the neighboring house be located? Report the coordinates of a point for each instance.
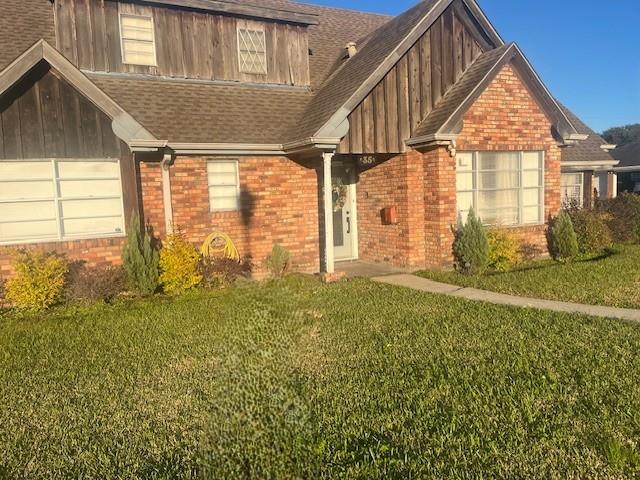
(587, 168)
(337, 134)
(628, 170)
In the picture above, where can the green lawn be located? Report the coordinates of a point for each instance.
(301, 380)
(611, 279)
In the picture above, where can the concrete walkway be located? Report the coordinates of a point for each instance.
(424, 285)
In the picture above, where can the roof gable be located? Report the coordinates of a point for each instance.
(124, 125)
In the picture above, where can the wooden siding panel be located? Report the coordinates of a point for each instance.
(458, 48)
(52, 116)
(11, 128)
(112, 37)
(415, 87)
(436, 62)
(447, 50)
(379, 107)
(65, 16)
(404, 131)
(368, 130)
(84, 37)
(391, 101)
(99, 36)
(425, 75)
(32, 134)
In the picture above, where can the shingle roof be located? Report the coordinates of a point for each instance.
(195, 112)
(585, 150)
(456, 96)
(629, 154)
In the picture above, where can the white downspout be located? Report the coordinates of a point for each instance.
(327, 191)
(167, 161)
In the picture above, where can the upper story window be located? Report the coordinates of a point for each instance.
(252, 51)
(504, 188)
(137, 40)
(571, 187)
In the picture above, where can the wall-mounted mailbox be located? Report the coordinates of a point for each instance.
(390, 215)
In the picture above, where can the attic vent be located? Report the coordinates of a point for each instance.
(352, 49)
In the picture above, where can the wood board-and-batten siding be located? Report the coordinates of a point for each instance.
(388, 116)
(188, 44)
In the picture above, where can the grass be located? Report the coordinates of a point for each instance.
(611, 279)
(295, 379)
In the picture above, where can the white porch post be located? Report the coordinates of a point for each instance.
(327, 191)
(166, 193)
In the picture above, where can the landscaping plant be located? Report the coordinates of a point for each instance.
(86, 284)
(279, 261)
(179, 264)
(140, 260)
(38, 282)
(623, 217)
(592, 231)
(504, 250)
(224, 271)
(471, 246)
(563, 240)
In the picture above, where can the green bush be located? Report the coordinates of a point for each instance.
(279, 261)
(471, 246)
(563, 240)
(93, 284)
(623, 217)
(592, 231)
(224, 271)
(179, 264)
(38, 282)
(504, 250)
(140, 260)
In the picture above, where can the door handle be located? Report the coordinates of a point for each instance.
(348, 225)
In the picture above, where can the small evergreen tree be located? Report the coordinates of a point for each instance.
(141, 260)
(471, 246)
(564, 242)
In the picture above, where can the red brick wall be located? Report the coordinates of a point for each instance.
(394, 182)
(151, 194)
(279, 204)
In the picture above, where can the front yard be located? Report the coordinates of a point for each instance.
(295, 379)
(612, 279)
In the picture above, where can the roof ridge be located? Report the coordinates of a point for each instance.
(342, 9)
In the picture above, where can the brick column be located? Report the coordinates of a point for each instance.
(439, 207)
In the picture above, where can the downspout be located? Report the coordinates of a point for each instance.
(167, 161)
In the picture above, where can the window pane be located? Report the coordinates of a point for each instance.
(224, 203)
(92, 226)
(571, 179)
(531, 215)
(465, 181)
(532, 196)
(89, 188)
(226, 191)
(221, 167)
(26, 190)
(88, 170)
(25, 170)
(15, 212)
(502, 216)
(498, 160)
(532, 178)
(223, 179)
(498, 179)
(532, 160)
(28, 230)
(465, 161)
(137, 39)
(223, 185)
(465, 201)
(91, 208)
(252, 51)
(497, 199)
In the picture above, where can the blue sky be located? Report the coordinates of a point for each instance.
(586, 51)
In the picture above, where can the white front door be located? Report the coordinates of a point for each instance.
(344, 212)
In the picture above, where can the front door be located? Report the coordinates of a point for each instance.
(344, 212)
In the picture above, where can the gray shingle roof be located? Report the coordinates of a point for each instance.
(585, 150)
(628, 155)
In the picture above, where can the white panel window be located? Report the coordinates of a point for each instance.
(504, 188)
(252, 51)
(137, 40)
(45, 200)
(572, 189)
(224, 185)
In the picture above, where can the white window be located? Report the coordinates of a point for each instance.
(137, 40)
(571, 188)
(224, 185)
(252, 51)
(60, 200)
(504, 188)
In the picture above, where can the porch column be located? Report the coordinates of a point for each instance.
(167, 161)
(327, 193)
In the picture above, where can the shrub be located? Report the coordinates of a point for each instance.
(471, 246)
(623, 217)
(93, 284)
(179, 264)
(530, 251)
(504, 250)
(592, 231)
(224, 271)
(38, 282)
(279, 261)
(140, 260)
(563, 241)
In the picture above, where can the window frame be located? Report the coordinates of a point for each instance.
(153, 35)
(238, 207)
(562, 188)
(57, 200)
(249, 28)
(475, 172)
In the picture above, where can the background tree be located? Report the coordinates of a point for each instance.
(622, 135)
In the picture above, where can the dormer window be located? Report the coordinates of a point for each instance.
(137, 40)
(252, 51)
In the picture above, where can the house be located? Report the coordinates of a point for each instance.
(338, 134)
(628, 170)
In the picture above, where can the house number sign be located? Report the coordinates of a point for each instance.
(366, 160)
